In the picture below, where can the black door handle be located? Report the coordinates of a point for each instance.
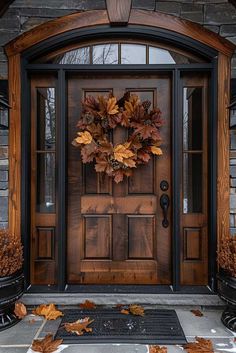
(165, 203)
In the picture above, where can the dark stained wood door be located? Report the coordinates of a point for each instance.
(115, 232)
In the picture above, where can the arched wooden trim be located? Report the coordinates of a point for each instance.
(137, 17)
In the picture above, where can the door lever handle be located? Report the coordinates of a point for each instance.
(165, 203)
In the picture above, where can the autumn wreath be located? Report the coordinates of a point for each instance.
(103, 114)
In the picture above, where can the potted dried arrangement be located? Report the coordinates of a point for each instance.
(11, 278)
(227, 280)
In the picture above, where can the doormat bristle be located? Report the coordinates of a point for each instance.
(111, 326)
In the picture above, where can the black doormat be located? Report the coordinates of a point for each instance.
(110, 326)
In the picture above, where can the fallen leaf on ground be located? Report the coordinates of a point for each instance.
(20, 310)
(125, 312)
(157, 349)
(197, 312)
(88, 305)
(49, 311)
(201, 345)
(79, 326)
(46, 345)
(120, 306)
(136, 310)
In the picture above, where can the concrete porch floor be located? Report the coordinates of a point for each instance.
(18, 338)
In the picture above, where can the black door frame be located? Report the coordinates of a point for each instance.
(61, 71)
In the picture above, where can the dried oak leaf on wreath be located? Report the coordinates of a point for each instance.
(201, 345)
(46, 345)
(79, 327)
(88, 305)
(49, 311)
(157, 349)
(20, 310)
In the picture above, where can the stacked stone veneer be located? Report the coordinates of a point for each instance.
(217, 15)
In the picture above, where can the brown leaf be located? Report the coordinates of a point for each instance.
(84, 138)
(88, 152)
(125, 312)
(102, 165)
(79, 326)
(48, 311)
(136, 310)
(118, 176)
(197, 312)
(120, 306)
(46, 345)
(201, 345)
(88, 305)
(20, 310)
(32, 321)
(144, 156)
(157, 349)
(128, 162)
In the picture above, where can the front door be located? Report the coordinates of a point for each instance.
(115, 231)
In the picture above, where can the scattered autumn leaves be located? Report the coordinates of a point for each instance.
(79, 327)
(133, 309)
(201, 345)
(46, 345)
(103, 114)
(20, 310)
(50, 312)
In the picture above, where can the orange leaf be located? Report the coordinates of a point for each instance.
(136, 310)
(46, 345)
(129, 163)
(124, 311)
(201, 345)
(20, 310)
(157, 349)
(156, 150)
(48, 311)
(197, 312)
(84, 138)
(79, 326)
(112, 107)
(88, 305)
(121, 152)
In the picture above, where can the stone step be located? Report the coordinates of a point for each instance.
(210, 300)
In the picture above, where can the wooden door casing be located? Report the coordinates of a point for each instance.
(115, 232)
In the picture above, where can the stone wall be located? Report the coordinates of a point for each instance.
(217, 15)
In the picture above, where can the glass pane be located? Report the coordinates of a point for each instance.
(192, 182)
(144, 95)
(45, 200)
(105, 54)
(133, 54)
(76, 56)
(164, 56)
(46, 119)
(192, 118)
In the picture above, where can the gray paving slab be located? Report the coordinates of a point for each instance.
(13, 349)
(50, 327)
(106, 348)
(208, 325)
(22, 333)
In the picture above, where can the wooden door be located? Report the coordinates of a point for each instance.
(115, 232)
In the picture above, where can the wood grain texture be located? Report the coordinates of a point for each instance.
(137, 17)
(118, 11)
(223, 187)
(15, 145)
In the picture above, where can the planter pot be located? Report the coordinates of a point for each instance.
(227, 292)
(11, 289)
